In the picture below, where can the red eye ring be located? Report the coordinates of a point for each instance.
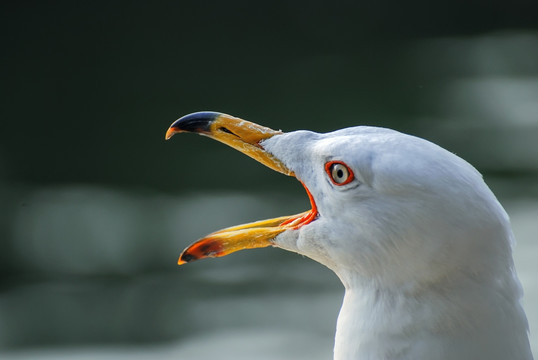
(339, 173)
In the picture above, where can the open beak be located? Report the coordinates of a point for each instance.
(244, 136)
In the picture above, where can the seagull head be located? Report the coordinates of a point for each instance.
(419, 241)
(387, 208)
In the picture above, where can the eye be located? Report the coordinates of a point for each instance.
(339, 173)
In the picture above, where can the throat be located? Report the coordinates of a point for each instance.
(372, 325)
(377, 324)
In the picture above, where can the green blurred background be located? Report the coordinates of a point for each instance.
(96, 206)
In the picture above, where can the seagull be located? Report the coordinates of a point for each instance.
(419, 241)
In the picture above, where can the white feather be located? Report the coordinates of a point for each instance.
(421, 244)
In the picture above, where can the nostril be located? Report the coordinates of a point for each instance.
(226, 130)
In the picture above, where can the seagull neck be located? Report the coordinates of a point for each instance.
(381, 323)
(369, 320)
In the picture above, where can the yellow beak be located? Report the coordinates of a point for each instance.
(240, 134)
(244, 136)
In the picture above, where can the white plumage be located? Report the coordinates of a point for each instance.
(421, 244)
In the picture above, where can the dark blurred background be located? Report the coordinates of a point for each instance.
(96, 206)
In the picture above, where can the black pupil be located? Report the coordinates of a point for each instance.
(339, 173)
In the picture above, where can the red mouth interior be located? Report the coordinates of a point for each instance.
(304, 218)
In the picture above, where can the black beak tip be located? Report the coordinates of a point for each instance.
(196, 122)
(186, 258)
